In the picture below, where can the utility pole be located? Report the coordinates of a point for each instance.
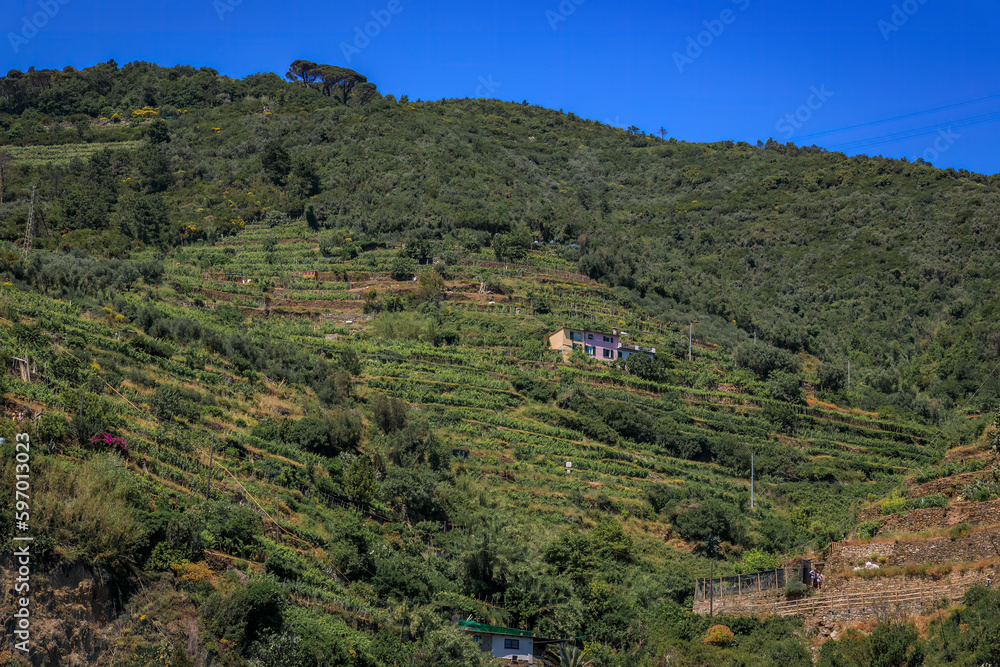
(211, 452)
(31, 220)
(751, 480)
(711, 587)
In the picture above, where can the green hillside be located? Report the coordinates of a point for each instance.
(383, 444)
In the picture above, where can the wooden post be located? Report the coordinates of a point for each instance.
(711, 588)
(758, 582)
(211, 452)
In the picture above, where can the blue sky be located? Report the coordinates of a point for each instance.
(705, 71)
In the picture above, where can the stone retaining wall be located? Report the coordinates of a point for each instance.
(978, 514)
(740, 605)
(969, 549)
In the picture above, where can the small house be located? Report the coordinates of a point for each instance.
(503, 643)
(599, 345)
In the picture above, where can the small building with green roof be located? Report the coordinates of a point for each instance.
(504, 643)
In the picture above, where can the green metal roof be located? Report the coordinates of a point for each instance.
(493, 629)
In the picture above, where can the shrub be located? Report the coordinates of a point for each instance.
(959, 530)
(168, 402)
(757, 560)
(832, 377)
(106, 441)
(894, 503)
(402, 268)
(763, 359)
(796, 589)
(246, 614)
(512, 246)
(867, 530)
(782, 386)
(718, 635)
(535, 389)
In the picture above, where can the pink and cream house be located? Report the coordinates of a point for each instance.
(601, 346)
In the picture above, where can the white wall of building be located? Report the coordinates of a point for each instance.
(525, 647)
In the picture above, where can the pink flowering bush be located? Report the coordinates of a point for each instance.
(108, 441)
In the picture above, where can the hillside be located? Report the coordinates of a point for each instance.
(337, 314)
(876, 262)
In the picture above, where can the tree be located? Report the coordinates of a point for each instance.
(157, 132)
(5, 159)
(303, 72)
(782, 386)
(832, 377)
(763, 359)
(512, 246)
(304, 180)
(339, 77)
(143, 217)
(365, 93)
(359, 481)
(402, 268)
(430, 287)
(276, 162)
(390, 413)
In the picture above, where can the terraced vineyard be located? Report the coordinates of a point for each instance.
(232, 374)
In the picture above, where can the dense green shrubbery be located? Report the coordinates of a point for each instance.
(764, 359)
(895, 503)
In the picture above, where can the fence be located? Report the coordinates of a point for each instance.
(751, 582)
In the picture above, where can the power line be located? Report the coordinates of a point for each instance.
(916, 132)
(895, 118)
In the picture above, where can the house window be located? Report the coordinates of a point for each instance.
(476, 639)
(512, 643)
(575, 346)
(575, 336)
(590, 336)
(590, 349)
(607, 339)
(609, 354)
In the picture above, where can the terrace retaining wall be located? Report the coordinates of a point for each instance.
(978, 514)
(971, 548)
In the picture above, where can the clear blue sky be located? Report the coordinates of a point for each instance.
(624, 62)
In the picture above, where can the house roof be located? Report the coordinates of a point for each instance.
(596, 333)
(472, 626)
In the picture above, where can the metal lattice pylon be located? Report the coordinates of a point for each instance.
(31, 221)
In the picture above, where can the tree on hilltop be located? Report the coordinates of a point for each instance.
(341, 78)
(303, 72)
